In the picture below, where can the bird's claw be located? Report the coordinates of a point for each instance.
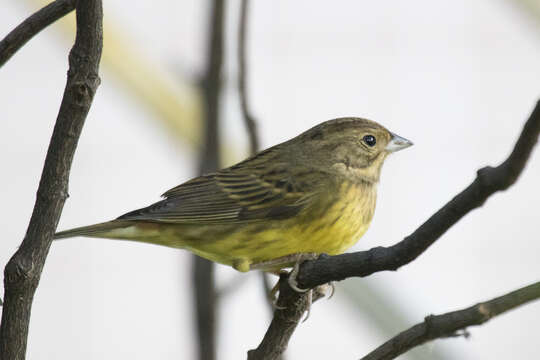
(332, 289)
(273, 297)
(309, 301)
(292, 279)
(293, 283)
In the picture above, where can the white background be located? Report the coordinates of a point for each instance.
(458, 78)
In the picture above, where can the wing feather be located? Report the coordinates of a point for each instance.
(248, 191)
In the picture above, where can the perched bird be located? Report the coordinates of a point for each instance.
(313, 194)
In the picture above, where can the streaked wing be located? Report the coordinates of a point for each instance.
(245, 192)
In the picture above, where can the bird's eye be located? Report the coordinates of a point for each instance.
(370, 140)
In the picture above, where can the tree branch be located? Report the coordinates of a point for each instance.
(251, 125)
(283, 323)
(32, 26)
(488, 181)
(447, 325)
(249, 120)
(203, 270)
(363, 263)
(22, 273)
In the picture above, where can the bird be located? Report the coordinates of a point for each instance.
(314, 194)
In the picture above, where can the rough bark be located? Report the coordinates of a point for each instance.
(449, 324)
(23, 271)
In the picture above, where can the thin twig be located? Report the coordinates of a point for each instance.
(31, 26)
(488, 181)
(203, 270)
(237, 282)
(250, 122)
(22, 273)
(448, 325)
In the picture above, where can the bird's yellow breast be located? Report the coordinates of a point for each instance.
(329, 226)
(340, 227)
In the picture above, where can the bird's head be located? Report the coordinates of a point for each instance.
(355, 147)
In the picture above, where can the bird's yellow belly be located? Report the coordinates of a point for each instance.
(332, 232)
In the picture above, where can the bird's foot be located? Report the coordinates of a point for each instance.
(297, 260)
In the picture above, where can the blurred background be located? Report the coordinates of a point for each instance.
(457, 78)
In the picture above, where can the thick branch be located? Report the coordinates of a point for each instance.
(251, 125)
(32, 26)
(291, 308)
(363, 263)
(488, 181)
(203, 270)
(447, 325)
(22, 273)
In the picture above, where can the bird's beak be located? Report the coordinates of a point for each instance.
(397, 143)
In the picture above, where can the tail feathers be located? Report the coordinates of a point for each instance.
(97, 230)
